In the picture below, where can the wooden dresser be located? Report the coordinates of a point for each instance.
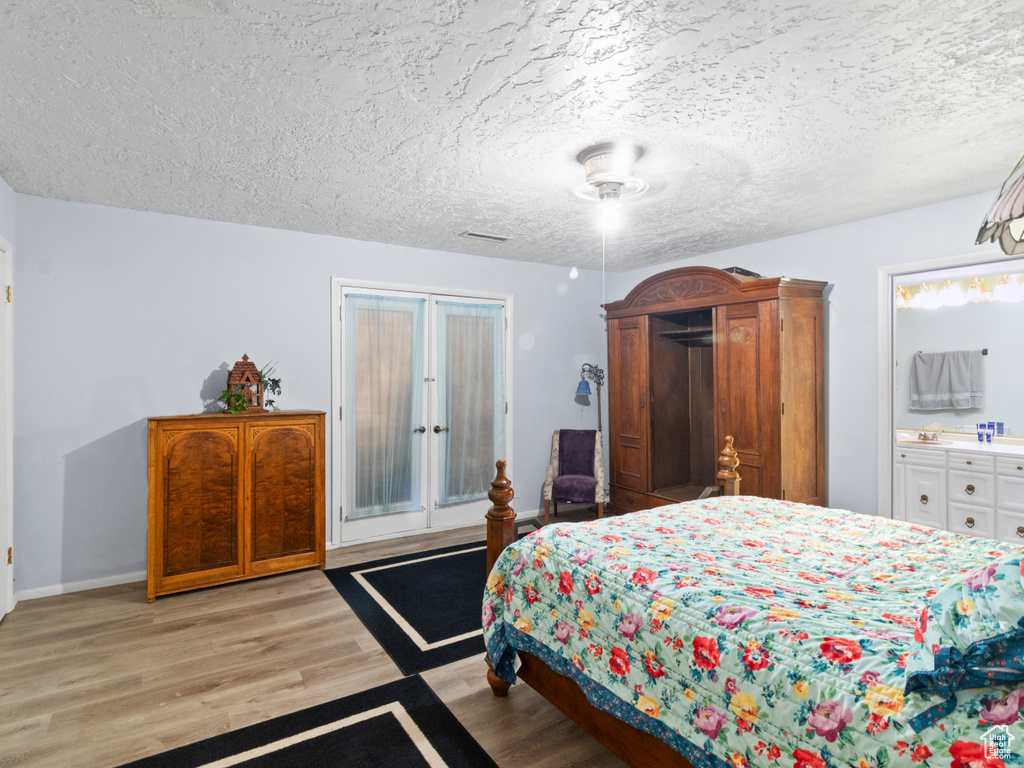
(234, 496)
(695, 354)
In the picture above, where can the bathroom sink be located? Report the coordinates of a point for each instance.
(918, 441)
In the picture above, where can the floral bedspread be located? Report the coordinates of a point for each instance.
(747, 631)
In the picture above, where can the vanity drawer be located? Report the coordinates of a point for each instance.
(927, 457)
(1010, 493)
(628, 499)
(1010, 527)
(973, 521)
(971, 488)
(1010, 465)
(974, 462)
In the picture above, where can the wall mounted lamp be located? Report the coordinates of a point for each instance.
(596, 375)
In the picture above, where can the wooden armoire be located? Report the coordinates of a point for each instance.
(234, 496)
(695, 354)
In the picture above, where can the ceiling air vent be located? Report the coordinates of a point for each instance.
(486, 238)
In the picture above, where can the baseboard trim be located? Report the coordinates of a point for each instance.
(79, 586)
(520, 517)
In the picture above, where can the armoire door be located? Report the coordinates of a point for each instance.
(802, 400)
(628, 412)
(744, 390)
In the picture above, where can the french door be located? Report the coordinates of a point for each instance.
(423, 410)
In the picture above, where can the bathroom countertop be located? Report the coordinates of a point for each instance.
(963, 442)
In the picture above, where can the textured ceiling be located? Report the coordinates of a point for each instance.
(411, 121)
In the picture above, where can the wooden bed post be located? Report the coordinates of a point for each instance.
(501, 531)
(727, 475)
(501, 518)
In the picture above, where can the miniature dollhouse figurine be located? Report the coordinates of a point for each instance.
(245, 379)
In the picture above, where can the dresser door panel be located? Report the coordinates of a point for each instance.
(283, 472)
(201, 515)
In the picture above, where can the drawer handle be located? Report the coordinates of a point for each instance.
(1020, 531)
(968, 462)
(969, 522)
(903, 456)
(924, 499)
(1019, 468)
(969, 490)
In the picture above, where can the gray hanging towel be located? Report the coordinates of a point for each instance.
(947, 380)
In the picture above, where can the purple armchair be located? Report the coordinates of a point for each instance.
(575, 472)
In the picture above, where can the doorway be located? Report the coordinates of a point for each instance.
(423, 408)
(892, 412)
(6, 433)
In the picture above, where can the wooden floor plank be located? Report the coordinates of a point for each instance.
(103, 677)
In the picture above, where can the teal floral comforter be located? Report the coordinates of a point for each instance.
(747, 631)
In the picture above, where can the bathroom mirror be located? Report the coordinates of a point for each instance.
(975, 307)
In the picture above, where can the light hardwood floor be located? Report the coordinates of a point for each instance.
(102, 677)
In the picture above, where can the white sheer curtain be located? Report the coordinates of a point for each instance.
(384, 402)
(471, 397)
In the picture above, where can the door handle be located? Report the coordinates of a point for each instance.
(420, 429)
(438, 429)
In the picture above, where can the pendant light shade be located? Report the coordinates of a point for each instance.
(1005, 221)
(583, 388)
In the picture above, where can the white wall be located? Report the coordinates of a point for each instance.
(848, 257)
(124, 315)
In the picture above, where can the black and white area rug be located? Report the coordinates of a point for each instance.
(423, 608)
(398, 724)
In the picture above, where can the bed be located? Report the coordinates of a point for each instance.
(740, 631)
